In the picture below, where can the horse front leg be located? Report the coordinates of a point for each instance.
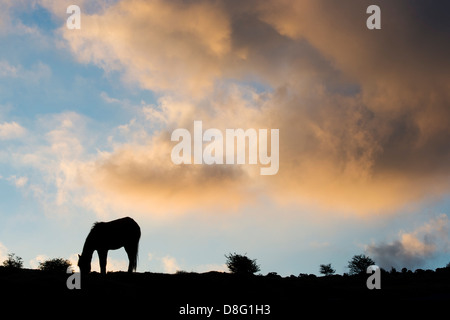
(102, 256)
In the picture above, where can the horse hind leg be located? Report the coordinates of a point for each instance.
(132, 257)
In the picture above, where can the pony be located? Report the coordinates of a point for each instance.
(112, 235)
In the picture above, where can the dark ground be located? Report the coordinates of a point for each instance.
(161, 296)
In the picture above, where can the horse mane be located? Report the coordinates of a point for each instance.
(95, 225)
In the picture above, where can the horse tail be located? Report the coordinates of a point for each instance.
(136, 248)
(137, 256)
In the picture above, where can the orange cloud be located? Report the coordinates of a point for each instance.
(159, 45)
(145, 179)
(363, 115)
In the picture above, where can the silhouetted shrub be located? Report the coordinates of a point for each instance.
(405, 271)
(241, 264)
(183, 272)
(359, 264)
(307, 276)
(13, 262)
(302, 275)
(273, 275)
(55, 265)
(326, 269)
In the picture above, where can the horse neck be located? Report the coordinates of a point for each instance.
(88, 248)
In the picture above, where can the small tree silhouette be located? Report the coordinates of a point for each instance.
(326, 269)
(241, 264)
(359, 264)
(13, 262)
(55, 265)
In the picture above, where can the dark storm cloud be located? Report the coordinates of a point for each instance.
(413, 249)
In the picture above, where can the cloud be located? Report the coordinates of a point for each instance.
(167, 263)
(374, 146)
(186, 41)
(3, 252)
(55, 152)
(136, 175)
(108, 99)
(146, 176)
(170, 265)
(11, 130)
(9, 24)
(35, 73)
(7, 70)
(34, 263)
(413, 249)
(363, 115)
(19, 182)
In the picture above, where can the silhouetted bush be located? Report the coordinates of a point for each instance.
(55, 265)
(273, 275)
(307, 276)
(241, 264)
(359, 264)
(326, 269)
(405, 271)
(302, 275)
(13, 262)
(181, 272)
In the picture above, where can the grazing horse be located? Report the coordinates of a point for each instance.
(104, 236)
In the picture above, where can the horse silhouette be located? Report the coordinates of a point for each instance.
(113, 235)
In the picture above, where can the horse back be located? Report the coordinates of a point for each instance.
(117, 233)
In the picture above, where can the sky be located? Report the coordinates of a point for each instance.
(86, 118)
